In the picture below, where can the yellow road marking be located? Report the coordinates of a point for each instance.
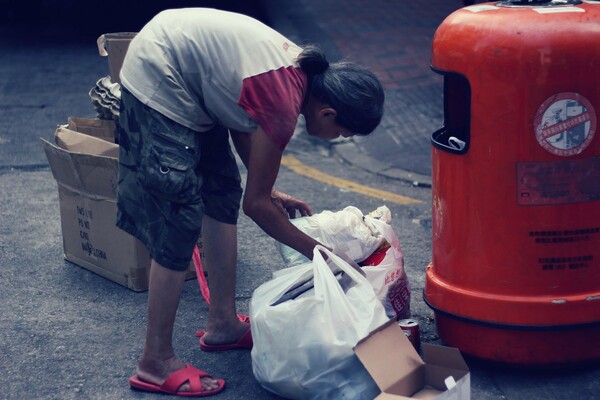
(295, 165)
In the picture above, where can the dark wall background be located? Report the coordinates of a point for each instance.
(91, 18)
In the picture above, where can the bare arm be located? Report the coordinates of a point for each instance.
(286, 203)
(263, 160)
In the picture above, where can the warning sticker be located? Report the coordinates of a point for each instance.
(565, 124)
(567, 181)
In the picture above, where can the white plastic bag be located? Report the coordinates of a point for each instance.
(344, 228)
(368, 239)
(303, 348)
(385, 271)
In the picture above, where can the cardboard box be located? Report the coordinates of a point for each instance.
(98, 128)
(86, 171)
(400, 372)
(115, 45)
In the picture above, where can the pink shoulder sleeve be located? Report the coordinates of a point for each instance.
(273, 99)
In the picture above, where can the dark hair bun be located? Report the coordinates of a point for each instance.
(312, 61)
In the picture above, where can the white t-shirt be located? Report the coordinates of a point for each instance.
(201, 67)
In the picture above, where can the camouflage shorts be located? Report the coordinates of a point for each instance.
(169, 177)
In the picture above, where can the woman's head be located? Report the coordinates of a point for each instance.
(353, 93)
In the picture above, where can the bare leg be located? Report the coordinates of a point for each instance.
(219, 242)
(158, 360)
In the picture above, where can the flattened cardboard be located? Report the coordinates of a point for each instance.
(115, 45)
(400, 372)
(87, 187)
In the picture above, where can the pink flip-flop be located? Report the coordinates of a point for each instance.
(245, 342)
(171, 386)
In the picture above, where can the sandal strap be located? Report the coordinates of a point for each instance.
(189, 375)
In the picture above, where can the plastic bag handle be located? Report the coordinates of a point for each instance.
(354, 271)
(306, 284)
(351, 262)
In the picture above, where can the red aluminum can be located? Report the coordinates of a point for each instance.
(410, 327)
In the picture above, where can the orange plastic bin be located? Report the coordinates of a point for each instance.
(515, 270)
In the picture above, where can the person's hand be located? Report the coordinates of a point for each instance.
(290, 205)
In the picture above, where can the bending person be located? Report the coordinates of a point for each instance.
(190, 79)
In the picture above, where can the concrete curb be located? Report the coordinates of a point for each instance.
(348, 151)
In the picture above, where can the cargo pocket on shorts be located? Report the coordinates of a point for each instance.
(168, 169)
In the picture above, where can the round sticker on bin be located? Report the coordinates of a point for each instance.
(565, 124)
